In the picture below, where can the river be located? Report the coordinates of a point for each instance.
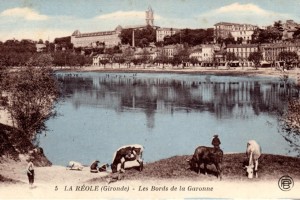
(169, 114)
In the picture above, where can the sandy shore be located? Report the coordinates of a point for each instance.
(59, 183)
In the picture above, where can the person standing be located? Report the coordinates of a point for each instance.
(216, 142)
(30, 172)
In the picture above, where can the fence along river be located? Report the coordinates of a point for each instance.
(169, 114)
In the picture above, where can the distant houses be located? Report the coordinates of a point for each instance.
(232, 42)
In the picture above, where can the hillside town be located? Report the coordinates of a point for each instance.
(225, 44)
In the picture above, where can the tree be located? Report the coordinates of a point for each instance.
(32, 93)
(278, 25)
(239, 40)
(268, 35)
(256, 57)
(229, 39)
(40, 41)
(296, 34)
(288, 57)
(104, 62)
(142, 37)
(40, 60)
(230, 56)
(191, 37)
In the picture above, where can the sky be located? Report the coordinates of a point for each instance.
(48, 19)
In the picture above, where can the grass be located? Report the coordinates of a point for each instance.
(271, 167)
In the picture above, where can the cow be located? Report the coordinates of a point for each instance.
(127, 153)
(207, 156)
(73, 165)
(253, 153)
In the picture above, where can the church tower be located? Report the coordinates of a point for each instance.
(149, 16)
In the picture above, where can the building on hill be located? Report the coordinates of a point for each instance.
(289, 28)
(225, 29)
(161, 33)
(109, 38)
(149, 17)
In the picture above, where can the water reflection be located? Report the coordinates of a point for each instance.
(223, 97)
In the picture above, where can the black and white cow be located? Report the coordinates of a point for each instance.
(127, 153)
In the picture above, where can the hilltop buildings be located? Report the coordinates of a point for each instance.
(243, 31)
(161, 33)
(206, 52)
(109, 38)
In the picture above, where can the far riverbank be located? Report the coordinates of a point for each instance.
(233, 71)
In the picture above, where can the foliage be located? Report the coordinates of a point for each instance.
(292, 117)
(230, 56)
(63, 58)
(142, 37)
(278, 25)
(288, 57)
(40, 60)
(268, 35)
(104, 61)
(183, 54)
(256, 57)
(16, 53)
(191, 37)
(63, 42)
(228, 40)
(296, 34)
(32, 92)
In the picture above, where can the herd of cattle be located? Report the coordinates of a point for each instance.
(131, 156)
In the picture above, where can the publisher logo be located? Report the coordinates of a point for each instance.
(286, 183)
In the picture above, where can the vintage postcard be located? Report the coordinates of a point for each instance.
(149, 99)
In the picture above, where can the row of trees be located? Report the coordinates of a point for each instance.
(24, 52)
(192, 37)
(288, 57)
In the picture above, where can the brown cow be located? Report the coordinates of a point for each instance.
(207, 156)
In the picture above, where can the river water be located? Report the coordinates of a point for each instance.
(169, 114)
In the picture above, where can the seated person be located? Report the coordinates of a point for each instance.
(94, 167)
(103, 168)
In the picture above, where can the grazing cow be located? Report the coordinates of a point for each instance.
(253, 153)
(207, 155)
(73, 165)
(127, 153)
